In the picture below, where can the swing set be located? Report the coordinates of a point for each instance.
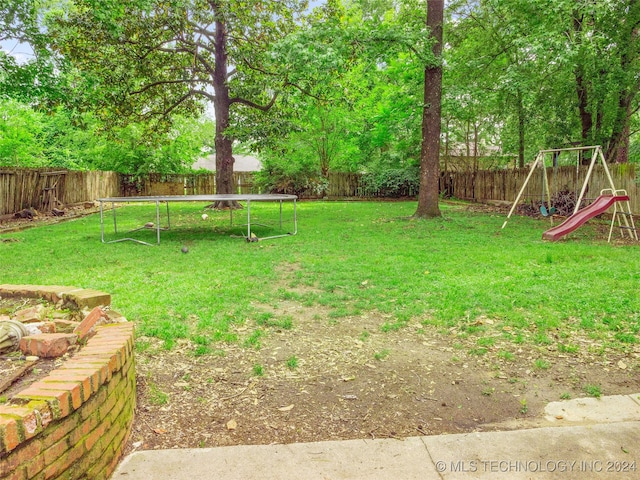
(608, 197)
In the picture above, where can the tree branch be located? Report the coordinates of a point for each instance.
(158, 83)
(204, 93)
(303, 91)
(177, 103)
(251, 104)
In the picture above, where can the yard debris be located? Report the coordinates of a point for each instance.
(11, 332)
(350, 397)
(232, 424)
(26, 213)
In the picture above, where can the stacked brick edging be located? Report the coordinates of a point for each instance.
(73, 423)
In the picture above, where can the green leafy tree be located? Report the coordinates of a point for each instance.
(354, 107)
(550, 73)
(40, 79)
(21, 136)
(152, 59)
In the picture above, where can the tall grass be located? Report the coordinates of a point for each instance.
(350, 258)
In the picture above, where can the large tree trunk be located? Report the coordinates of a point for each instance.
(618, 147)
(431, 116)
(619, 142)
(586, 119)
(221, 105)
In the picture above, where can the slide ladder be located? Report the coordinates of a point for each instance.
(623, 217)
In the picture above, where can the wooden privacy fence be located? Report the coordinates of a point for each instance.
(181, 184)
(504, 185)
(46, 188)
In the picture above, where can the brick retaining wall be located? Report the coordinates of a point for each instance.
(74, 423)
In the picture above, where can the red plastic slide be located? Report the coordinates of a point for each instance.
(600, 205)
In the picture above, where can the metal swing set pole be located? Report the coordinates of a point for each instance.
(594, 158)
(539, 157)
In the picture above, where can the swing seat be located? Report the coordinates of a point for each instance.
(545, 212)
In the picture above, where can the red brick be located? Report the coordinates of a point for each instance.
(84, 428)
(57, 469)
(34, 466)
(18, 474)
(31, 314)
(106, 407)
(91, 350)
(104, 374)
(47, 327)
(54, 452)
(63, 325)
(43, 412)
(111, 361)
(26, 452)
(26, 418)
(9, 438)
(89, 379)
(87, 325)
(116, 330)
(94, 436)
(65, 377)
(73, 388)
(62, 429)
(59, 400)
(47, 345)
(87, 298)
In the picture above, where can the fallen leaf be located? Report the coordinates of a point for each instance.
(232, 424)
(287, 408)
(622, 365)
(159, 431)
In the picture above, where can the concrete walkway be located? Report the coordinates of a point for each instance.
(586, 438)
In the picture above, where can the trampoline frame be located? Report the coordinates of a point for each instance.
(158, 199)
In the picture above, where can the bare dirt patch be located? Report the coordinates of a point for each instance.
(349, 384)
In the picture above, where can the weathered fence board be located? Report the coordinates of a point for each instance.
(44, 189)
(182, 184)
(504, 185)
(23, 188)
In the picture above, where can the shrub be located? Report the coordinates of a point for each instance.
(282, 175)
(393, 182)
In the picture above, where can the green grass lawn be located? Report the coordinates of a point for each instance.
(459, 272)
